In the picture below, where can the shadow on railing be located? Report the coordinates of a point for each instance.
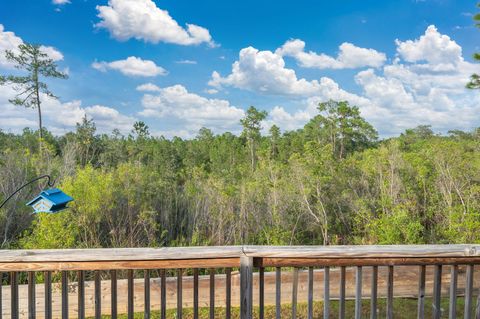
(94, 282)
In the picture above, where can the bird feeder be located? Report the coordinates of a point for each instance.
(50, 201)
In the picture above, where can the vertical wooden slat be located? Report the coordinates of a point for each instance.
(163, 291)
(294, 292)
(195, 293)
(1, 304)
(228, 293)
(179, 293)
(113, 293)
(246, 289)
(477, 308)
(326, 293)
(98, 295)
(310, 293)
(64, 295)
(81, 294)
(31, 295)
(261, 292)
(146, 293)
(14, 294)
(468, 293)
(212, 293)
(341, 309)
(374, 293)
(47, 278)
(358, 292)
(390, 293)
(130, 294)
(452, 309)
(437, 291)
(278, 293)
(421, 292)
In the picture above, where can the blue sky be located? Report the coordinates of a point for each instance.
(180, 65)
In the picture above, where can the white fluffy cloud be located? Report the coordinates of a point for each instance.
(349, 56)
(425, 84)
(193, 110)
(59, 117)
(131, 66)
(148, 87)
(9, 41)
(432, 47)
(143, 20)
(265, 72)
(60, 2)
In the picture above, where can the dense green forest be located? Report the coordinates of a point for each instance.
(331, 182)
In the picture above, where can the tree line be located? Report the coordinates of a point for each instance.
(331, 182)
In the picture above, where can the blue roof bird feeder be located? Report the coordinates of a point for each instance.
(50, 201)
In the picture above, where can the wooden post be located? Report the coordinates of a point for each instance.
(146, 293)
(421, 292)
(468, 293)
(452, 311)
(342, 293)
(195, 293)
(14, 294)
(294, 292)
(246, 289)
(278, 292)
(47, 277)
(374, 293)
(326, 292)
(228, 293)
(130, 294)
(358, 292)
(310, 293)
(31, 295)
(390, 293)
(113, 292)
(81, 294)
(98, 295)
(64, 295)
(261, 292)
(179, 293)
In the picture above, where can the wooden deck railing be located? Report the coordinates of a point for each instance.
(95, 282)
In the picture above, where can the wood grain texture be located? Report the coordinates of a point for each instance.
(108, 265)
(215, 252)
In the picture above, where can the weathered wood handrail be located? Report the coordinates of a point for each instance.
(77, 263)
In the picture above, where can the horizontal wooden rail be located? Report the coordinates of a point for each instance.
(95, 282)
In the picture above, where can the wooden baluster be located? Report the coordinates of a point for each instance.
(294, 292)
(195, 293)
(113, 293)
(64, 295)
(47, 278)
(326, 293)
(14, 294)
(1, 303)
(31, 295)
(341, 294)
(81, 294)
(146, 293)
(163, 292)
(310, 293)
(130, 294)
(212, 293)
(179, 293)
(390, 293)
(358, 292)
(261, 292)
(278, 292)
(98, 295)
(468, 293)
(246, 289)
(437, 292)
(374, 293)
(477, 308)
(421, 292)
(452, 309)
(228, 292)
